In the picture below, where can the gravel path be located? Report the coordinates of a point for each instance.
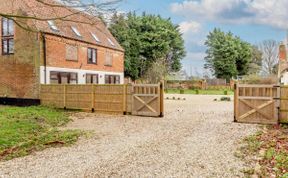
(197, 138)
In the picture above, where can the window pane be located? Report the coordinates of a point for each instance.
(75, 30)
(11, 46)
(94, 56)
(11, 27)
(4, 26)
(64, 78)
(117, 79)
(52, 25)
(89, 55)
(88, 78)
(107, 79)
(95, 79)
(5, 46)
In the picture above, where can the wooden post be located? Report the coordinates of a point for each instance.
(236, 106)
(162, 99)
(278, 104)
(93, 98)
(124, 99)
(64, 93)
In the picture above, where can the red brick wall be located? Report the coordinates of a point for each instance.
(19, 73)
(56, 55)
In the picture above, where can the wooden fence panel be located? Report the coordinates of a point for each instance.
(256, 104)
(78, 96)
(283, 115)
(53, 95)
(109, 98)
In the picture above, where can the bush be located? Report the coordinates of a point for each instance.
(225, 99)
(256, 79)
(182, 91)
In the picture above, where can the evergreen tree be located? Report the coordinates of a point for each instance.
(148, 39)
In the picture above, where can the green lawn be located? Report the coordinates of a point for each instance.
(27, 129)
(200, 92)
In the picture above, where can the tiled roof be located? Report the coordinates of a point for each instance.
(85, 24)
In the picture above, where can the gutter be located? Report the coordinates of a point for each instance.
(44, 57)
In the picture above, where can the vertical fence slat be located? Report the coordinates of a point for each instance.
(64, 94)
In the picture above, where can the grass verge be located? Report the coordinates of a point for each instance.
(200, 92)
(24, 130)
(268, 150)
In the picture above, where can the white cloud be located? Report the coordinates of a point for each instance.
(195, 56)
(190, 26)
(268, 12)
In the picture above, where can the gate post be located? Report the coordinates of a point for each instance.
(236, 106)
(124, 99)
(162, 98)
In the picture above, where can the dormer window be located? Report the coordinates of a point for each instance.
(95, 37)
(52, 25)
(111, 42)
(74, 29)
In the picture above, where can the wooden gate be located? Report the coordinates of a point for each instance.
(256, 104)
(147, 100)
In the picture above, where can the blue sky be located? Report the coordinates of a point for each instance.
(252, 20)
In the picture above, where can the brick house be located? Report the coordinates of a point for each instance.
(77, 50)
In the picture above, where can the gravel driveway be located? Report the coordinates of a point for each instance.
(197, 138)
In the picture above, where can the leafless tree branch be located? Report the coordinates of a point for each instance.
(92, 10)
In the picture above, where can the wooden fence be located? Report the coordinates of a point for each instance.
(283, 111)
(104, 98)
(199, 84)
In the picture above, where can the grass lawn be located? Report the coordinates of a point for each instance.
(200, 92)
(24, 130)
(270, 146)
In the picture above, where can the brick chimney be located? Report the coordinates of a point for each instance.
(282, 52)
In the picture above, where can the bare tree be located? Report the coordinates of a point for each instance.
(269, 49)
(95, 8)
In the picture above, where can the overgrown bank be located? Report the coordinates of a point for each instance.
(30, 129)
(268, 150)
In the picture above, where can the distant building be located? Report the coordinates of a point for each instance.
(283, 65)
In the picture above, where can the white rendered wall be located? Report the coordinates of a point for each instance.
(284, 79)
(81, 74)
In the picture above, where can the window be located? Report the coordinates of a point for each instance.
(52, 25)
(95, 37)
(7, 36)
(109, 59)
(91, 78)
(74, 29)
(111, 42)
(71, 53)
(112, 79)
(63, 78)
(92, 56)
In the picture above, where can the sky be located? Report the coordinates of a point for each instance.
(251, 20)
